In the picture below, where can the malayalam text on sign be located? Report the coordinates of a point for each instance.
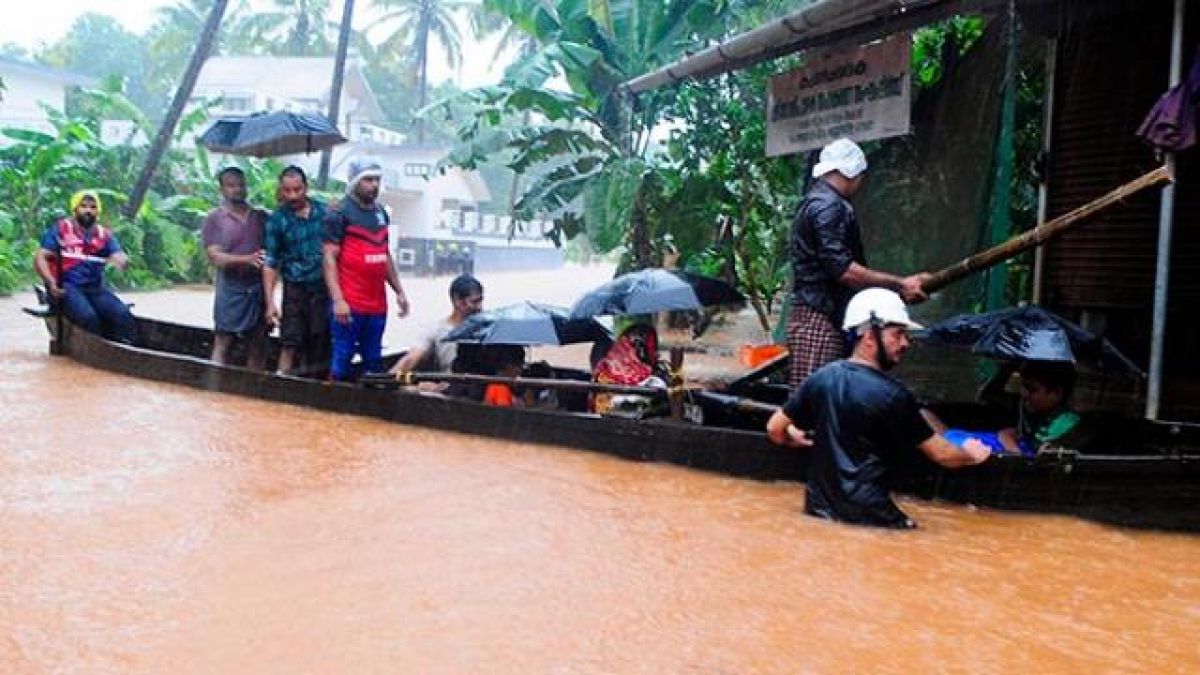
(862, 94)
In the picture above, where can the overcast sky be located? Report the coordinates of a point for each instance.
(31, 23)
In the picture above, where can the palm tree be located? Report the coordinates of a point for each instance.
(172, 37)
(413, 22)
(335, 90)
(293, 28)
(176, 27)
(204, 44)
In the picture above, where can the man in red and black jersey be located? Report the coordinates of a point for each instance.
(358, 263)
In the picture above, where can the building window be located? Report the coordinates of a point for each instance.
(237, 103)
(421, 170)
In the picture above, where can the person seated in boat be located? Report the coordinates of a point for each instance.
(71, 259)
(1044, 415)
(858, 420)
(633, 361)
(430, 354)
(503, 361)
(533, 397)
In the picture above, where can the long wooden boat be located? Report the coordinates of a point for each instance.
(1154, 482)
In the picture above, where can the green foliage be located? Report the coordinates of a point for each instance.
(39, 172)
(97, 45)
(288, 28)
(585, 148)
(727, 206)
(934, 46)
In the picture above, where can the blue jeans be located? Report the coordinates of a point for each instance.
(364, 336)
(98, 310)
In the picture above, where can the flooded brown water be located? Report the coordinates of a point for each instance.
(147, 528)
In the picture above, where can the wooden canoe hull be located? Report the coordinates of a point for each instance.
(1159, 488)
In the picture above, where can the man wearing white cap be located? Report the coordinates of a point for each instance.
(857, 420)
(358, 266)
(828, 263)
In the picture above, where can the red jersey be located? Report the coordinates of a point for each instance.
(362, 265)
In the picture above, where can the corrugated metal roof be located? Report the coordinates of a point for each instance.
(857, 21)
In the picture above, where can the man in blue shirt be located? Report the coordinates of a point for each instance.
(71, 260)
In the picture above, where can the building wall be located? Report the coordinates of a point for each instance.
(1112, 67)
(23, 92)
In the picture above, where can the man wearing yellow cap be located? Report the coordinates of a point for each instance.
(71, 260)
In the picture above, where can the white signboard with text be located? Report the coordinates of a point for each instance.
(861, 94)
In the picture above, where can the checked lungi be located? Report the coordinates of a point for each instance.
(813, 341)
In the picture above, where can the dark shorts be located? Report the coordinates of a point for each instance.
(238, 307)
(305, 317)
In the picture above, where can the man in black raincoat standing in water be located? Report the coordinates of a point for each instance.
(858, 420)
(828, 264)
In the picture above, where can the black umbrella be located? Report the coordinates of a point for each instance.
(656, 290)
(272, 134)
(1029, 333)
(528, 323)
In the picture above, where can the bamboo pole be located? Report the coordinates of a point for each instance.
(406, 379)
(676, 392)
(1043, 233)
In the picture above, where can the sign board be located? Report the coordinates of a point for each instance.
(861, 94)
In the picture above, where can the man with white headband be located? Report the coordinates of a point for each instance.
(857, 420)
(358, 266)
(828, 264)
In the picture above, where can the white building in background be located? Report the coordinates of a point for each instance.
(27, 86)
(435, 215)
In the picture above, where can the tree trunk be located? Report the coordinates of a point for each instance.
(161, 141)
(641, 249)
(422, 72)
(335, 91)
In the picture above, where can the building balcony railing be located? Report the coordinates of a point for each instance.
(475, 224)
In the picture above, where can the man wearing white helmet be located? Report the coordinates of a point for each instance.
(857, 419)
(828, 263)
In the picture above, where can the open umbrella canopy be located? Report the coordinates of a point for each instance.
(272, 134)
(528, 323)
(655, 290)
(1029, 333)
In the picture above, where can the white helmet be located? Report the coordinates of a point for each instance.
(877, 305)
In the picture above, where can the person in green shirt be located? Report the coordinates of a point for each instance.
(292, 243)
(1044, 415)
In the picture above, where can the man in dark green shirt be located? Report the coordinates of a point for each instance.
(293, 240)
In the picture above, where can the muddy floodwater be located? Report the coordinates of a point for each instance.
(147, 528)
